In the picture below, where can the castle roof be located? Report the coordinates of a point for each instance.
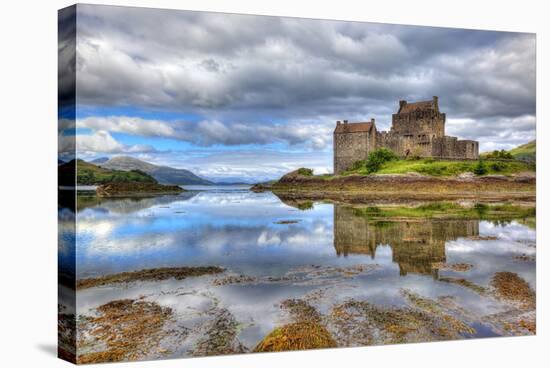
(354, 127)
(409, 107)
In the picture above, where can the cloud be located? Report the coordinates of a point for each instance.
(213, 132)
(252, 80)
(129, 125)
(240, 60)
(100, 141)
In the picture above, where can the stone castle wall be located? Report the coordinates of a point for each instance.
(451, 147)
(351, 147)
(421, 124)
(418, 130)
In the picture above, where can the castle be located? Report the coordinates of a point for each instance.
(418, 129)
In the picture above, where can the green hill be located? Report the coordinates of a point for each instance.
(526, 151)
(90, 174)
(163, 174)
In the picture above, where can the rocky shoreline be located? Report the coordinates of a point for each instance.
(135, 189)
(364, 188)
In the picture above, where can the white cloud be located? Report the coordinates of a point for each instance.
(101, 141)
(316, 135)
(129, 125)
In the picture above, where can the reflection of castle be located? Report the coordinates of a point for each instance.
(415, 245)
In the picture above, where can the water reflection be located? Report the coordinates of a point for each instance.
(416, 244)
(320, 252)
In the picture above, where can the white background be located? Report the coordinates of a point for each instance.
(28, 217)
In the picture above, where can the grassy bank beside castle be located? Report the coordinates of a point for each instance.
(445, 167)
(385, 176)
(383, 161)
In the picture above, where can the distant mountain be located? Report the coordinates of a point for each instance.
(163, 174)
(60, 162)
(100, 160)
(90, 174)
(526, 151)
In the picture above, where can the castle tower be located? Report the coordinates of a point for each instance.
(352, 142)
(418, 119)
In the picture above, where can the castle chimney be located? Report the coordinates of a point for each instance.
(436, 103)
(372, 120)
(338, 122)
(402, 104)
(345, 121)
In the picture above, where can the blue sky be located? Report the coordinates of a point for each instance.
(240, 97)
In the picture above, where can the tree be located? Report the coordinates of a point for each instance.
(379, 157)
(480, 168)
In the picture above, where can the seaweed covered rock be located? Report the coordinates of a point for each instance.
(122, 330)
(297, 336)
(296, 175)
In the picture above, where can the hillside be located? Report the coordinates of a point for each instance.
(90, 174)
(100, 160)
(526, 151)
(163, 174)
(446, 167)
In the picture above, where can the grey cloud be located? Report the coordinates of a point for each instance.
(233, 68)
(206, 132)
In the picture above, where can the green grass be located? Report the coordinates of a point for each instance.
(305, 171)
(445, 168)
(526, 151)
(447, 210)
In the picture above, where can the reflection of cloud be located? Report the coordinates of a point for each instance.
(128, 245)
(510, 240)
(209, 230)
(99, 229)
(488, 247)
(511, 231)
(266, 238)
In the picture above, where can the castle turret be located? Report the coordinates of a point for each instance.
(402, 104)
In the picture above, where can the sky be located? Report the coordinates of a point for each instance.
(249, 98)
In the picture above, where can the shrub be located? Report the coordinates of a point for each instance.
(358, 165)
(306, 205)
(305, 172)
(498, 166)
(500, 154)
(438, 206)
(480, 168)
(481, 209)
(378, 157)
